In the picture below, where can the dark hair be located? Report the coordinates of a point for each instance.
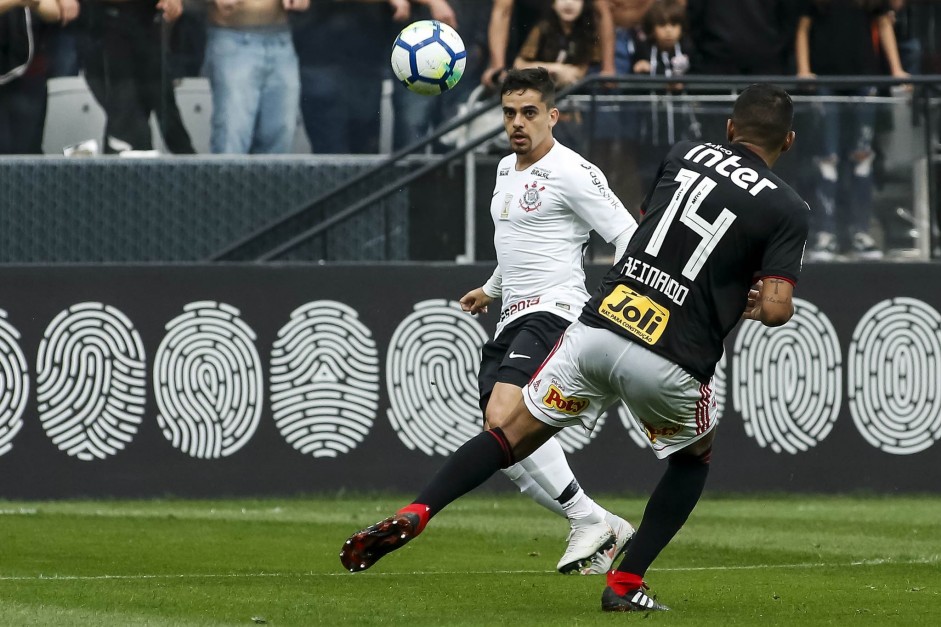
(579, 45)
(664, 12)
(535, 78)
(763, 115)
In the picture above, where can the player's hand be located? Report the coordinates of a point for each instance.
(475, 301)
(295, 5)
(753, 307)
(401, 10)
(172, 9)
(30, 4)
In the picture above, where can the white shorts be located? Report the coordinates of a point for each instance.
(591, 369)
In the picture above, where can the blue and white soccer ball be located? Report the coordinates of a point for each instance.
(428, 57)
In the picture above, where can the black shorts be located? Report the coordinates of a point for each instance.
(517, 353)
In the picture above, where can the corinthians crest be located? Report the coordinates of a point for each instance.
(530, 200)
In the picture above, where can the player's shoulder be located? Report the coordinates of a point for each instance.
(563, 162)
(506, 166)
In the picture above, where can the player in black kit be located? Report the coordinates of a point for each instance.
(721, 234)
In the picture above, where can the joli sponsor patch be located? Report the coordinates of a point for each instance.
(635, 313)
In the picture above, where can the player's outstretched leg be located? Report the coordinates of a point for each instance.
(468, 467)
(364, 548)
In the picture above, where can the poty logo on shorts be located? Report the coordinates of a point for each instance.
(660, 432)
(555, 400)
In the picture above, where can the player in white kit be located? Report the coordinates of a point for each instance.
(546, 201)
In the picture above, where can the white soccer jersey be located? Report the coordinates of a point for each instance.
(542, 217)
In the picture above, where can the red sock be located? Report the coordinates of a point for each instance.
(423, 512)
(622, 582)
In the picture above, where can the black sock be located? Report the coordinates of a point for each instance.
(669, 506)
(467, 468)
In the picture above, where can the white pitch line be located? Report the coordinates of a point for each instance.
(873, 562)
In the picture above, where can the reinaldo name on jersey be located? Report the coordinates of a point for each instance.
(721, 159)
(655, 278)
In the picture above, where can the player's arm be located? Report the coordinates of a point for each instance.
(770, 302)
(587, 194)
(476, 300)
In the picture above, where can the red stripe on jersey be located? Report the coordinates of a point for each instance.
(782, 278)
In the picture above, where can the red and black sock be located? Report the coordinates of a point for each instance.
(669, 506)
(467, 468)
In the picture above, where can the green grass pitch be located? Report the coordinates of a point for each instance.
(487, 560)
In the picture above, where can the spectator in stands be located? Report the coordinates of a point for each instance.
(664, 51)
(344, 48)
(253, 72)
(63, 41)
(565, 42)
(628, 17)
(123, 62)
(23, 74)
(615, 146)
(836, 37)
(742, 37)
(522, 15)
(910, 48)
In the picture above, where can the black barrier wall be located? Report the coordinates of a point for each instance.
(255, 380)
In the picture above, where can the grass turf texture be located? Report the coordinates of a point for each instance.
(487, 560)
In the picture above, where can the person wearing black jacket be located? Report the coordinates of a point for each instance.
(743, 37)
(22, 74)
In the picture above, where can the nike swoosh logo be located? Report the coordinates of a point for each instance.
(515, 355)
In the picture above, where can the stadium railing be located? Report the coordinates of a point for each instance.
(589, 100)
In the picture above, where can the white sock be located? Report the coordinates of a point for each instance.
(549, 468)
(527, 486)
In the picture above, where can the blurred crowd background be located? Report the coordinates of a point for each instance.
(313, 76)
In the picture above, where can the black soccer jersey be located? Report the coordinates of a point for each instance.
(716, 221)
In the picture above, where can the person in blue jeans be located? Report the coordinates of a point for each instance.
(253, 71)
(845, 37)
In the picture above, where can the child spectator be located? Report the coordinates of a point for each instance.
(565, 42)
(665, 52)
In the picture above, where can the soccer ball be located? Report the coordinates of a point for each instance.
(428, 57)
